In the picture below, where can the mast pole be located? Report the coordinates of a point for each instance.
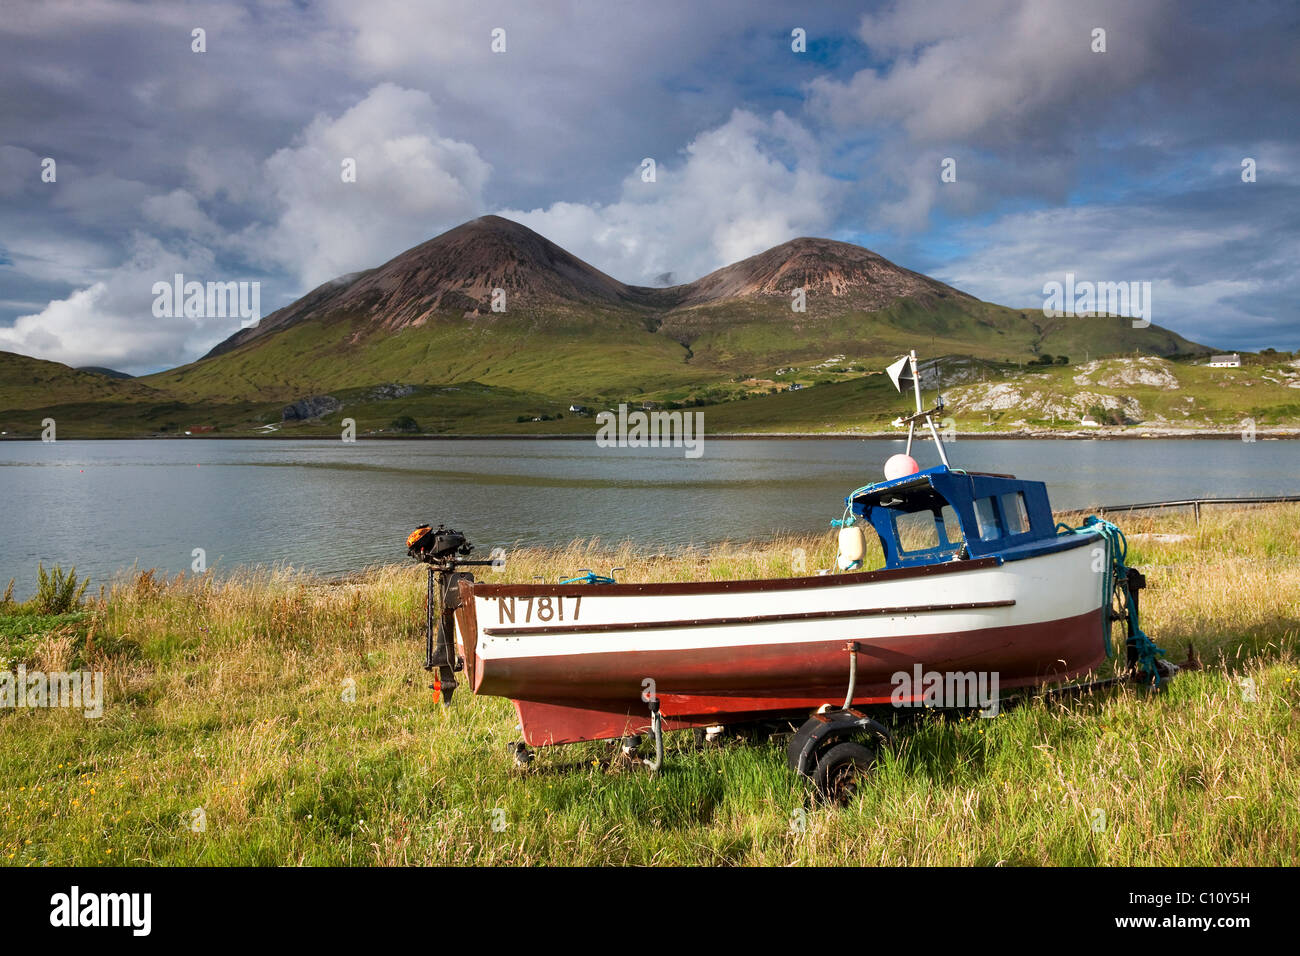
(916, 386)
(929, 419)
(916, 381)
(938, 442)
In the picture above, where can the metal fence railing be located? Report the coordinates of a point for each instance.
(1195, 504)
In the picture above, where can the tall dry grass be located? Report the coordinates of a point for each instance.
(227, 694)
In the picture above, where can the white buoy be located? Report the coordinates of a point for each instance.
(853, 547)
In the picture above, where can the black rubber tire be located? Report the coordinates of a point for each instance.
(841, 769)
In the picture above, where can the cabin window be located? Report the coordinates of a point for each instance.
(951, 525)
(1014, 517)
(986, 519)
(917, 531)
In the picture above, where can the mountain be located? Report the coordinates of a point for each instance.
(22, 377)
(423, 326)
(82, 402)
(426, 316)
(850, 276)
(454, 274)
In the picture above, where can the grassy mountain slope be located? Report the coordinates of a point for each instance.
(23, 379)
(763, 335)
(608, 350)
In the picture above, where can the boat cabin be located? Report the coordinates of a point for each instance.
(941, 514)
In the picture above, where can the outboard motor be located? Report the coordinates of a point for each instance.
(435, 546)
(443, 550)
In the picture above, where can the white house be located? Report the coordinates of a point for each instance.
(1225, 361)
(1089, 421)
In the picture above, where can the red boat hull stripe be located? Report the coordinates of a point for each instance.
(569, 697)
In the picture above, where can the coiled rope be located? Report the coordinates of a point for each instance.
(1116, 586)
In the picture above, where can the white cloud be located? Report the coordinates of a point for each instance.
(178, 210)
(410, 184)
(740, 188)
(232, 174)
(111, 323)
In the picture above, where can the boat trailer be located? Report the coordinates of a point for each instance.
(836, 748)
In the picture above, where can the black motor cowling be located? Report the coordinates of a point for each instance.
(437, 545)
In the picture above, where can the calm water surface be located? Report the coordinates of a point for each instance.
(333, 507)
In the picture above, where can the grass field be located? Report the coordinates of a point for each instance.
(226, 695)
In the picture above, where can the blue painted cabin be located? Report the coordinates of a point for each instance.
(941, 514)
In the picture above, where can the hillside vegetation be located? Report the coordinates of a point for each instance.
(833, 396)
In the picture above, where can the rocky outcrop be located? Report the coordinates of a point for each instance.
(386, 393)
(1126, 372)
(308, 408)
(1038, 397)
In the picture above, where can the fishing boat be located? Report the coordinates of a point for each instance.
(977, 580)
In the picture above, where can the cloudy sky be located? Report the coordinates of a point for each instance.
(225, 165)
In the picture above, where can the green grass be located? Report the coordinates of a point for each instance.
(617, 352)
(831, 401)
(767, 334)
(226, 694)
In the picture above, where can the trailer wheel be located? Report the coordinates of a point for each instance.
(842, 769)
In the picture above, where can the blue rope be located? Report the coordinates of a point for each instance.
(1116, 572)
(589, 578)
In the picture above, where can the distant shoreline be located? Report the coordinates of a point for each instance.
(1260, 435)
